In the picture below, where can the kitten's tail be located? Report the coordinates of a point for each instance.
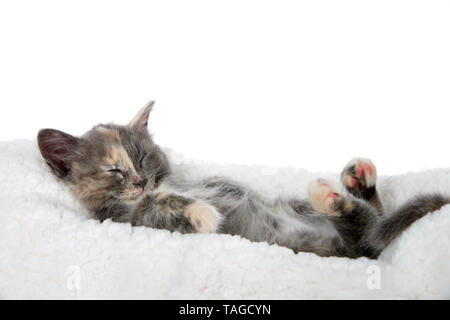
(389, 228)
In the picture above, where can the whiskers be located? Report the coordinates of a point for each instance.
(107, 209)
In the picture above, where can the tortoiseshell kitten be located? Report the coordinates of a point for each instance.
(118, 172)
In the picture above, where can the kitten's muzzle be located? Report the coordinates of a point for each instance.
(142, 182)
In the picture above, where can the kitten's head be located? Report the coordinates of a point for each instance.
(108, 162)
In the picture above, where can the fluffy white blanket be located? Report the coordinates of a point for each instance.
(51, 248)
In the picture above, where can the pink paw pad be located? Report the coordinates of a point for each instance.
(334, 195)
(363, 168)
(360, 173)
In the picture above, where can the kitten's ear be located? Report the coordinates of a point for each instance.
(57, 148)
(140, 120)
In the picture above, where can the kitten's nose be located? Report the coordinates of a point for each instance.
(141, 182)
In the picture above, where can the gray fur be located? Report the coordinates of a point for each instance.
(119, 173)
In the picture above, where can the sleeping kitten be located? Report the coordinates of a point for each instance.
(118, 173)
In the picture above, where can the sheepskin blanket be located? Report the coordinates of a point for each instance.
(50, 247)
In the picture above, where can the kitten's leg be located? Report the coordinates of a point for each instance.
(176, 213)
(359, 178)
(351, 217)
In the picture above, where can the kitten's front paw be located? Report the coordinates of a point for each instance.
(204, 217)
(326, 199)
(359, 175)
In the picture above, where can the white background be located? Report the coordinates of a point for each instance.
(309, 84)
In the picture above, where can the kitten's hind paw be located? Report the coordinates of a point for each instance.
(204, 217)
(324, 198)
(359, 175)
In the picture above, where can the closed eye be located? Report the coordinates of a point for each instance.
(117, 171)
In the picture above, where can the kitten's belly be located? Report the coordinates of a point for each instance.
(279, 224)
(290, 223)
